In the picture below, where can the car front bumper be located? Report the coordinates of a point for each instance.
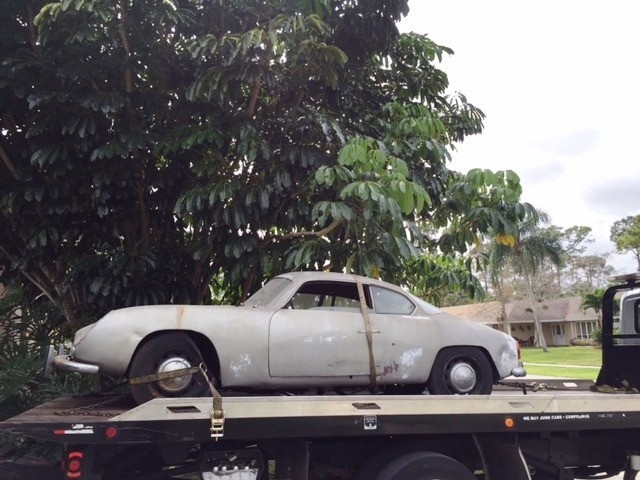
(65, 363)
(519, 371)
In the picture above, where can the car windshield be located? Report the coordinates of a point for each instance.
(269, 294)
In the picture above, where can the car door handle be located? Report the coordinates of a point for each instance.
(372, 331)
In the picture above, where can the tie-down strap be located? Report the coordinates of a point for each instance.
(367, 330)
(217, 413)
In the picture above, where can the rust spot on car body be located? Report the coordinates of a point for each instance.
(180, 318)
(389, 369)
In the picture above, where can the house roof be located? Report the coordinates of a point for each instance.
(556, 310)
(486, 313)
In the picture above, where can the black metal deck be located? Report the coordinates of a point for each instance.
(104, 420)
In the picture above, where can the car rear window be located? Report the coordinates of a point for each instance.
(391, 302)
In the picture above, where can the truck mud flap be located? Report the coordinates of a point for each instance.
(501, 456)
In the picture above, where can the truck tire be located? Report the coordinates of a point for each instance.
(425, 466)
(460, 371)
(163, 353)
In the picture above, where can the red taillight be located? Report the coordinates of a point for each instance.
(111, 433)
(73, 465)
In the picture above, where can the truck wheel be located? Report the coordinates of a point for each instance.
(164, 353)
(462, 371)
(425, 466)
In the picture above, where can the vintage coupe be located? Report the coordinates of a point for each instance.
(300, 330)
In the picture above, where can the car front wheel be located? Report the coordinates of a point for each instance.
(460, 371)
(165, 353)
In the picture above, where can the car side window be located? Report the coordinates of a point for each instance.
(391, 302)
(337, 296)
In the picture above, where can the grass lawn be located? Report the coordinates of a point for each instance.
(561, 362)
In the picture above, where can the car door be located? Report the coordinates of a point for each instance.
(403, 350)
(320, 333)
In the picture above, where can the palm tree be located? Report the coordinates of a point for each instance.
(526, 250)
(593, 300)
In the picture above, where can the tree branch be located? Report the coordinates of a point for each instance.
(139, 181)
(307, 233)
(9, 164)
(128, 74)
(299, 98)
(35, 281)
(255, 91)
(33, 36)
(248, 285)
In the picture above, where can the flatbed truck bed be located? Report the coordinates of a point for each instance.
(568, 433)
(260, 417)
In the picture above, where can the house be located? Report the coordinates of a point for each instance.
(562, 319)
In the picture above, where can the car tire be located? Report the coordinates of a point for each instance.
(167, 352)
(460, 371)
(425, 466)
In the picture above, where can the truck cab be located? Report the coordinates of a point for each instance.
(621, 350)
(630, 315)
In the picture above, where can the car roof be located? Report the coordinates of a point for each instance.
(305, 276)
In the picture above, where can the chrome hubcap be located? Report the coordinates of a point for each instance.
(177, 384)
(462, 377)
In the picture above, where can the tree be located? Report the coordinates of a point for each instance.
(526, 251)
(579, 272)
(437, 278)
(593, 299)
(625, 234)
(588, 272)
(476, 202)
(154, 149)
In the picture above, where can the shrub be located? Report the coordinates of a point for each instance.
(582, 342)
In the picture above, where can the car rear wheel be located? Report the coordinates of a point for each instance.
(461, 371)
(165, 353)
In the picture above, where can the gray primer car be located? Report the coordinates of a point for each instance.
(301, 330)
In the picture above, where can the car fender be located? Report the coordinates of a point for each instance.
(239, 335)
(502, 348)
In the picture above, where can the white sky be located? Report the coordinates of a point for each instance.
(559, 83)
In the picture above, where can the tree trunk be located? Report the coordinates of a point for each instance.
(540, 340)
(503, 309)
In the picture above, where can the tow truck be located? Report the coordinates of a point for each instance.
(522, 431)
